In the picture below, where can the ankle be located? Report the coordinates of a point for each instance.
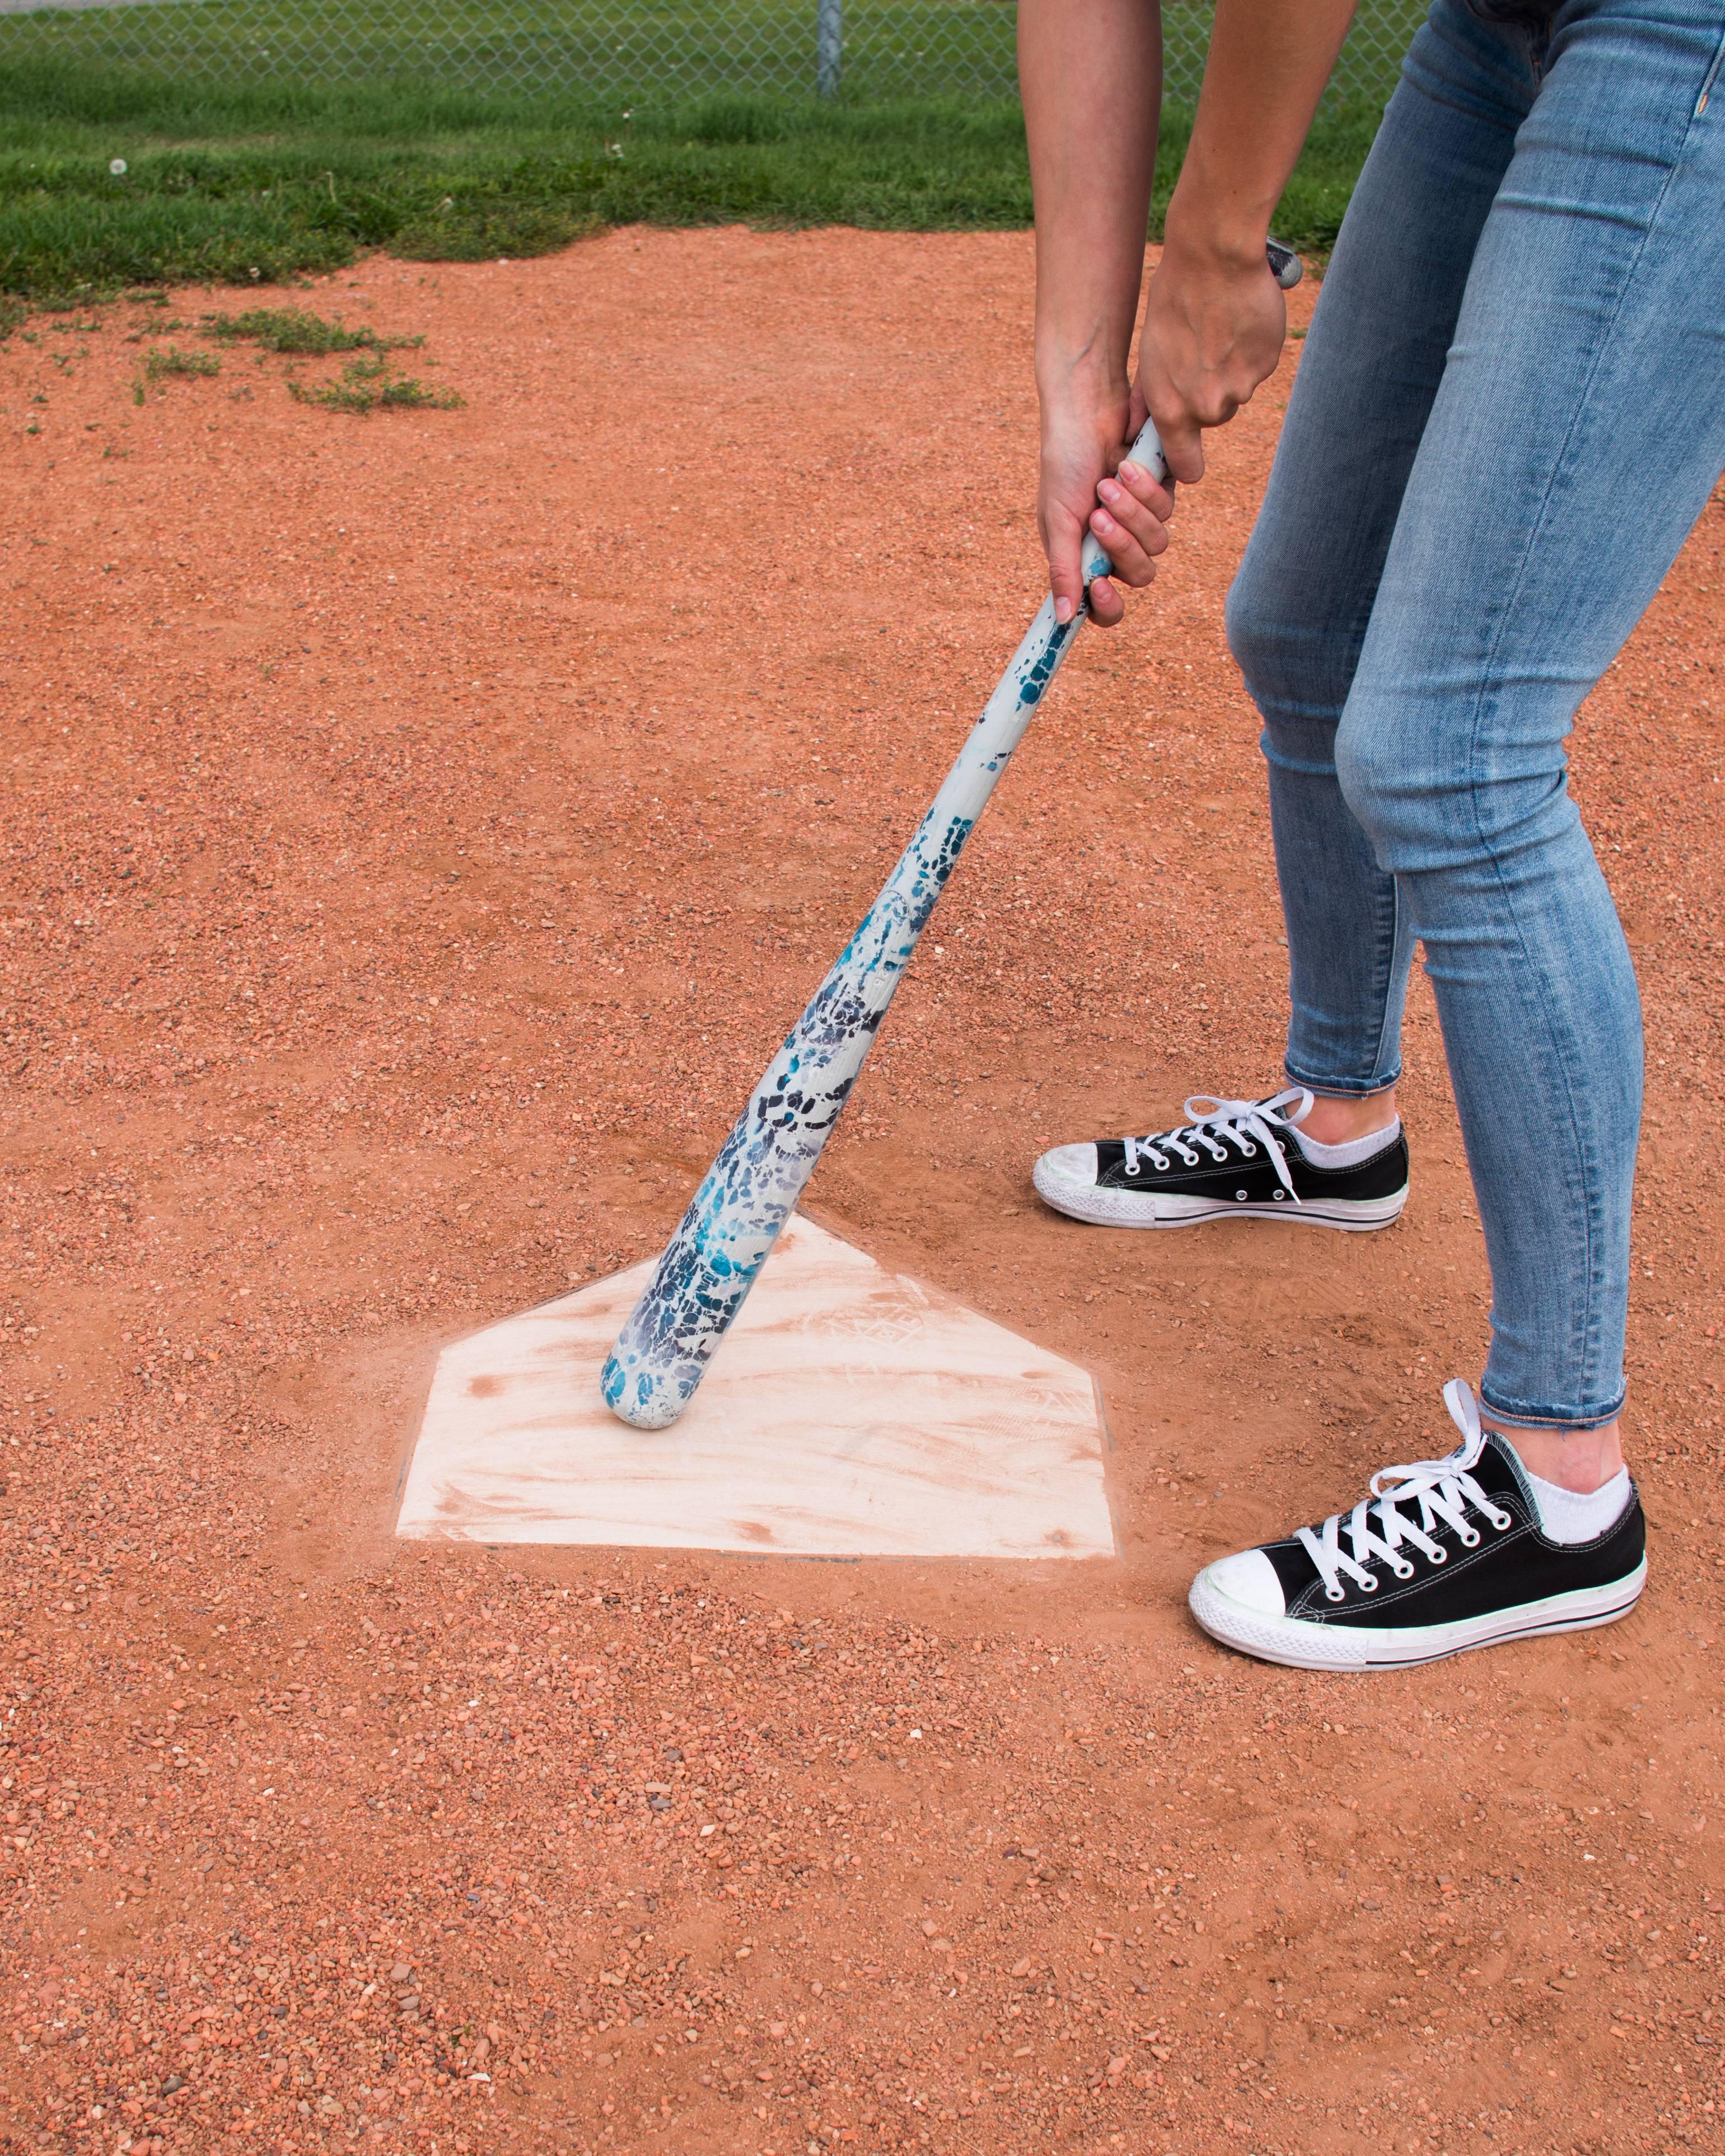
(1582, 1461)
(1339, 1118)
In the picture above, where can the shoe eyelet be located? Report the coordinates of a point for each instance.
(1438, 1556)
(1470, 1539)
(1368, 1585)
(1334, 1594)
(1403, 1571)
(1251, 1152)
(1503, 1521)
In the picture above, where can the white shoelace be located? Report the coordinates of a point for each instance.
(1219, 1124)
(1442, 1489)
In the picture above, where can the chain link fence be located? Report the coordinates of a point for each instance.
(620, 53)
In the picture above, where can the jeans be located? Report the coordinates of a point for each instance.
(1510, 411)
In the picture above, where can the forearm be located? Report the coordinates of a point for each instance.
(1091, 76)
(1268, 61)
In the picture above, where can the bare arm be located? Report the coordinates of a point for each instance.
(1214, 323)
(1091, 77)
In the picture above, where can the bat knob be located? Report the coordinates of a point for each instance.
(1284, 265)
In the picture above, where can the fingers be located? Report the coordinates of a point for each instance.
(1065, 578)
(1182, 443)
(1126, 512)
(1155, 495)
(1130, 523)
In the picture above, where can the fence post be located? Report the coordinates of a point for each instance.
(828, 45)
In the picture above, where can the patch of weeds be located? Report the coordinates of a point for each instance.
(294, 330)
(366, 385)
(159, 365)
(480, 234)
(12, 313)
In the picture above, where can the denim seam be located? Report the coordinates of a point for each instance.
(1707, 87)
(1388, 976)
(1523, 1417)
(1351, 1089)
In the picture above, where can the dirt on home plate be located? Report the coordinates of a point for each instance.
(419, 829)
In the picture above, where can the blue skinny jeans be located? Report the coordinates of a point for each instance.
(1510, 411)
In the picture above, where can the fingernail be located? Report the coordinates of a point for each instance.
(1107, 489)
(1063, 610)
(1130, 470)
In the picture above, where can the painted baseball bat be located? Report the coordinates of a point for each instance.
(752, 1187)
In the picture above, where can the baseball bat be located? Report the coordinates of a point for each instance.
(752, 1187)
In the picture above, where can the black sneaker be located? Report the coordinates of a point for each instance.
(1443, 1555)
(1240, 1160)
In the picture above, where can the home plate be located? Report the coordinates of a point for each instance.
(849, 1412)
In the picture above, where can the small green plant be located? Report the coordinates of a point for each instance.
(294, 330)
(12, 313)
(159, 365)
(366, 385)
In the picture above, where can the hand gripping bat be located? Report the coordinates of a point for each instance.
(751, 1188)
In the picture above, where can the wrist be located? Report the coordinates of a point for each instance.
(1076, 389)
(1200, 228)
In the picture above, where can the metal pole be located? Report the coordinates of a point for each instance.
(828, 45)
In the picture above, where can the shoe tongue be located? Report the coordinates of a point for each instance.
(1499, 1471)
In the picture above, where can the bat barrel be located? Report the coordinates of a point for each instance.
(752, 1187)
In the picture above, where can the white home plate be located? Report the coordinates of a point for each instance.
(850, 1412)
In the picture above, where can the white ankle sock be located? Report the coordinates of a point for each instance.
(1573, 1516)
(1355, 1149)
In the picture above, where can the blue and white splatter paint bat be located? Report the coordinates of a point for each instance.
(751, 1189)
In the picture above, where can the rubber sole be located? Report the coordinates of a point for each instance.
(1302, 1646)
(1123, 1208)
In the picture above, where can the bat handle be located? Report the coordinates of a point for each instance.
(1285, 266)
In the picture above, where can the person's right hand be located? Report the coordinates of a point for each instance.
(1085, 486)
(1215, 324)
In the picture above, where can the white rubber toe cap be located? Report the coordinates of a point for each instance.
(1066, 1167)
(1249, 1579)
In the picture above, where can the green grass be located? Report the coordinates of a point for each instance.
(292, 329)
(254, 182)
(612, 53)
(366, 385)
(159, 365)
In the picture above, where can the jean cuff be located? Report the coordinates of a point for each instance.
(1355, 1089)
(1524, 1417)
